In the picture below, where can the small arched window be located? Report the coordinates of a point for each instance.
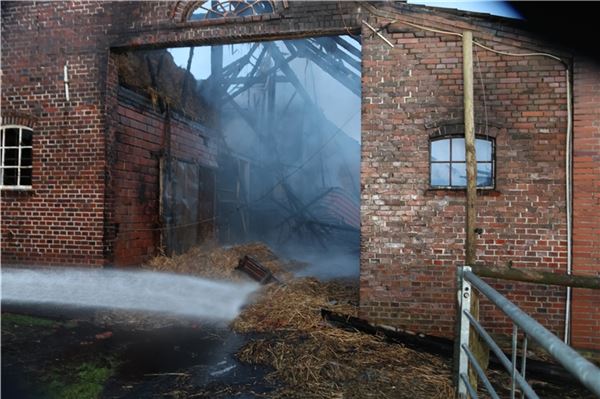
(15, 157)
(214, 9)
(448, 168)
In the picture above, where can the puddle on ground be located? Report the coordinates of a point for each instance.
(77, 357)
(180, 360)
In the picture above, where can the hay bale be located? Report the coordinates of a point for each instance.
(134, 73)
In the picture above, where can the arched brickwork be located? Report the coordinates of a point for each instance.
(18, 118)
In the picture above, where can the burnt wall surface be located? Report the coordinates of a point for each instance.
(412, 236)
(145, 140)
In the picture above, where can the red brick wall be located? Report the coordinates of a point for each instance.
(586, 201)
(69, 215)
(412, 236)
(140, 141)
(60, 219)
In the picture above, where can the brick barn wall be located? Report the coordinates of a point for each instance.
(412, 236)
(69, 215)
(60, 221)
(586, 201)
(141, 137)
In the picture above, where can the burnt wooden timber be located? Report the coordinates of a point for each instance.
(538, 277)
(256, 270)
(539, 369)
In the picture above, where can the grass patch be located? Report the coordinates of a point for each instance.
(20, 320)
(83, 381)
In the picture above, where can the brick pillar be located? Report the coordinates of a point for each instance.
(585, 324)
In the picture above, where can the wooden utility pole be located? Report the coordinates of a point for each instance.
(478, 348)
(469, 147)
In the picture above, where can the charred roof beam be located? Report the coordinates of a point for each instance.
(340, 73)
(327, 44)
(259, 78)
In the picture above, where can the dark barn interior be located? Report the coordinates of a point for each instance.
(274, 159)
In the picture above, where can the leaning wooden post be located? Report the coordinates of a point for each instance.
(469, 147)
(478, 349)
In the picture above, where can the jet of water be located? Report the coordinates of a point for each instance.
(132, 290)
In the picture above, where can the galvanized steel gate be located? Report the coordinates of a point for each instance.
(583, 370)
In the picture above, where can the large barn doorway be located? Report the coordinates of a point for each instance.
(279, 158)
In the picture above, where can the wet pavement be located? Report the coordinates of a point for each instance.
(51, 353)
(50, 357)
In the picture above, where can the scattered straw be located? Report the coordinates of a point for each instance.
(316, 360)
(310, 358)
(212, 261)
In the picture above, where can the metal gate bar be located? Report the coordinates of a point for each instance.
(525, 388)
(582, 369)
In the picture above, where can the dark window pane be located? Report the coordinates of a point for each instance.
(484, 174)
(440, 150)
(11, 157)
(26, 137)
(12, 138)
(243, 12)
(483, 150)
(459, 175)
(10, 177)
(458, 150)
(26, 157)
(440, 174)
(263, 7)
(25, 177)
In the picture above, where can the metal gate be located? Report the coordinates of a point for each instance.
(579, 367)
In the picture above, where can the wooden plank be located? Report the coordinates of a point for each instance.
(187, 77)
(351, 49)
(538, 277)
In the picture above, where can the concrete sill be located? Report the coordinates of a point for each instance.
(16, 191)
(461, 192)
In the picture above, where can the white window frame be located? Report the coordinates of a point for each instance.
(449, 137)
(19, 148)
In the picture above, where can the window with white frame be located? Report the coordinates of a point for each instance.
(448, 166)
(15, 157)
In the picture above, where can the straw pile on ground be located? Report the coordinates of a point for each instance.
(316, 360)
(309, 357)
(212, 261)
